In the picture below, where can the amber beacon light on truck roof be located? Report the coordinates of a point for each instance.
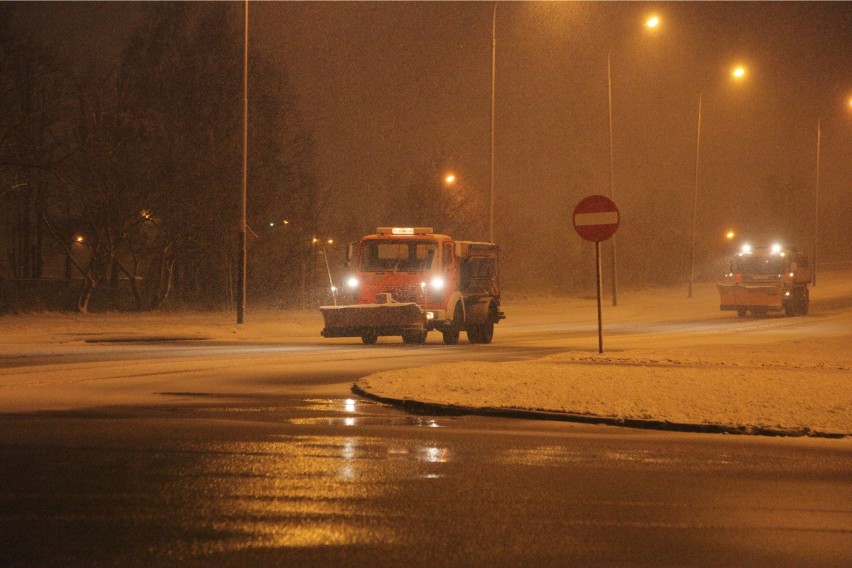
(404, 230)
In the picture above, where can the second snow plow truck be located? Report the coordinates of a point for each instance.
(761, 280)
(407, 281)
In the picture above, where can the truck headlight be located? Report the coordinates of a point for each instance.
(437, 283)
(352, 282)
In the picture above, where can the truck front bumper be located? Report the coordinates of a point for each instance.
(361, 320)
(750, 296)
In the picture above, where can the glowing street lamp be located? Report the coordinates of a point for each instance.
(738, 73)
(450, 179)
(651, 23)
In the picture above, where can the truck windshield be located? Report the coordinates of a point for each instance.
(749, 264)
(397, 256)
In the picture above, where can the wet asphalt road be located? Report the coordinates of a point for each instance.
(339, 481)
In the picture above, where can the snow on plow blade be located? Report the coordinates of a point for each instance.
(372, 319)
(739, 295)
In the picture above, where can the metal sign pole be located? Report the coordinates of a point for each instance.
(598, 270)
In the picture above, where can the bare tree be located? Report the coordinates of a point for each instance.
(181, 81)
(32, 102)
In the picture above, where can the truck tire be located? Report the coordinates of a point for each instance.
(803, 301)
(798, 303)
(481, 333)
(369, 338)
(451, 334)
(414, 337)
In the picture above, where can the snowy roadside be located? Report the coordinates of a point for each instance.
(62, 328)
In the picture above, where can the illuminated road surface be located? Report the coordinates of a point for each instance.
(330, 481)
(256, 454)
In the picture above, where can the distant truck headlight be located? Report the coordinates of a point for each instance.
(437, 283)
(352, 282)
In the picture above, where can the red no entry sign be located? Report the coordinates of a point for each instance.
(596, 218)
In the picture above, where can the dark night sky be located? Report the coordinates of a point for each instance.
(387, 87)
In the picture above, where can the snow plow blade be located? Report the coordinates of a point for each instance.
(738, 296)
(372, 319)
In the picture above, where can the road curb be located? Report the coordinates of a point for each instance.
(418, 407)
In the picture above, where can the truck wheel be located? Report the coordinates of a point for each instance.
(414, 337)
(481, 333)
(451, 334)
(803, 302)
(369, 338)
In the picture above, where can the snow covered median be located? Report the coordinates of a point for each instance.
(668, 361)
(743, 396)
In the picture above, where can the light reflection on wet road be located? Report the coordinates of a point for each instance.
(342, 481)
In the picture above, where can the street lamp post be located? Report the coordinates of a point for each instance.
(650, 23)
(493, 107)
(611, 175)
(241, 266)
(695, 199)
(816, 202)
(738, 73)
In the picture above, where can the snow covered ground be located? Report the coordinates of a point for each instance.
(666, 358)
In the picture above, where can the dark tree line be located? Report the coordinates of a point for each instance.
(134, 177)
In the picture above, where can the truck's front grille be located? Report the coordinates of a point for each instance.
(400, 293)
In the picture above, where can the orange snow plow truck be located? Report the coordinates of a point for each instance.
(407, 281)
(761, 280)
